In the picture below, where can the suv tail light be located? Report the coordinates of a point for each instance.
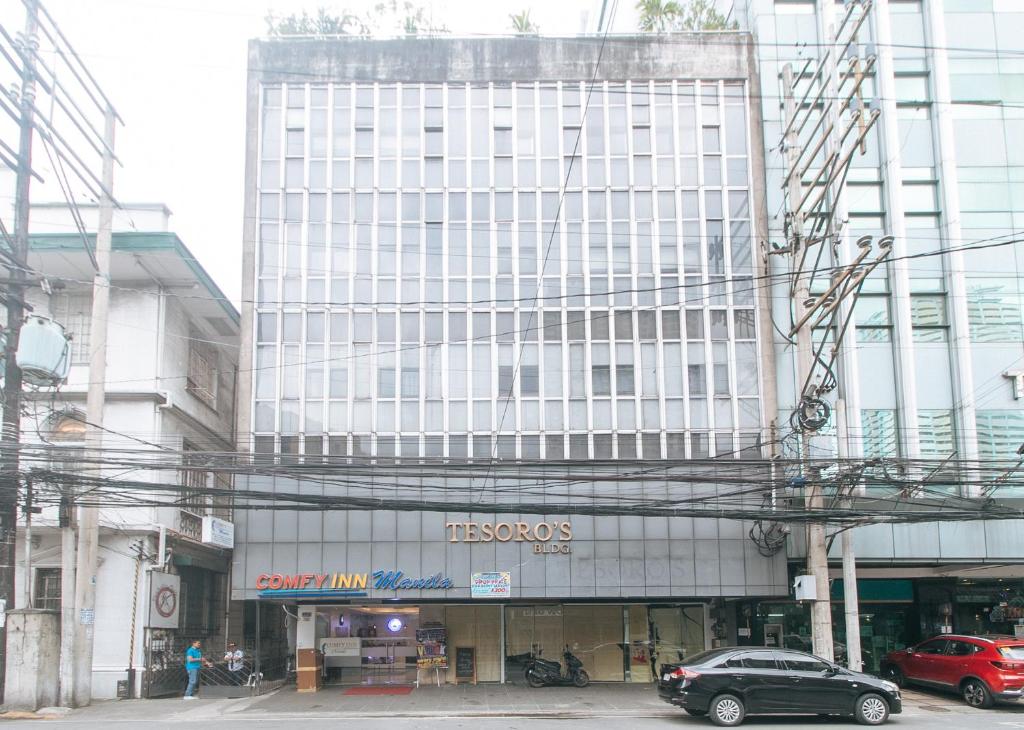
(1014, 666)
(683, 673)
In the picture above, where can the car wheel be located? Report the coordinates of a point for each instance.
(872, 709)
(695, 713)
(582, 679)
(976, 694)
(895, 675)
(726, 711)
(533, 679)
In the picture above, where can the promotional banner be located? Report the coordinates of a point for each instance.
(491, 585)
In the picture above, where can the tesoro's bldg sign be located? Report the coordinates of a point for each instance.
(547, 537)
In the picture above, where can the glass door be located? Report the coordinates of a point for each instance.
(676, 632)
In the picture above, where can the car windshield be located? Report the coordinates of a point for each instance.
(1012, 652)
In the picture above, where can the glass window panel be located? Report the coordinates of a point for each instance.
(1000, 432)
(994, 310)
(879, 433)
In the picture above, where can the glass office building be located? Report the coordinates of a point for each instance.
(532, 251)
(937, 341)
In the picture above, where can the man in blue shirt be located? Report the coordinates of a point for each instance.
(193, 661)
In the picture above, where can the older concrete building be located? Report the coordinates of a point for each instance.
(172, 359)
(493, 255)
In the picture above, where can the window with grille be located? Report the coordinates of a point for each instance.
(222, 503)
(46, 592)
(74, 312)
(194, 480)
(202, 370)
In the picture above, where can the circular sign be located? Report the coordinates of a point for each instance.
(166, 601)
(395, 625)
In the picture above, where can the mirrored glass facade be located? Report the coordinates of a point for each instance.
(937, 328)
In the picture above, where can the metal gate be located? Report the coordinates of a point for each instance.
(164, 673)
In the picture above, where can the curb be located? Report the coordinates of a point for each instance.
(529, 715)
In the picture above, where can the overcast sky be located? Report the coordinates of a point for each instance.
(175, 70)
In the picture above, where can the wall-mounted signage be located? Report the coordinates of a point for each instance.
(392, 580)
(491, 585)
(311, 585)
(164, 590)
(218, 532)
(547, 537)
(341, 646)
(1017, 382)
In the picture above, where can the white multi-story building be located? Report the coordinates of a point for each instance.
(533, 251)
(170, 384)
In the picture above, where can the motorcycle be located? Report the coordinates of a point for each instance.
(545, 672)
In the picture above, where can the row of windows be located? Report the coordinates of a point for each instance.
(417, 210)
(999, 432)
(490, 416)
(525, 367)
(508, 124)
(502, 291)
(641, 171)
(994, 313)
(429, 327)
(643, 445)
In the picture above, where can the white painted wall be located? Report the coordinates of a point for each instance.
(149, 406)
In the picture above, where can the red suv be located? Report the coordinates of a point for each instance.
(981, 668)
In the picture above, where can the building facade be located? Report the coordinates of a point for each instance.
(933, 368)
(470, 261)
(171, 369)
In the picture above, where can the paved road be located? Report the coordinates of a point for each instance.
(480, 709)
(999, 719)
(595, 723)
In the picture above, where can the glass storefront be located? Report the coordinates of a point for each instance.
(887, 621)
(615, 642)
(894, 614)
(376, 644)
(972, 606)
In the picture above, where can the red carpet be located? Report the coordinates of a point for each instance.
(376, 691)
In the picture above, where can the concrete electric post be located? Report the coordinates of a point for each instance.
(824, 127)
(11, 436)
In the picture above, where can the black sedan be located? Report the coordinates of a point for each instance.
(728, 684)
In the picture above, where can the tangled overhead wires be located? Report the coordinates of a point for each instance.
(708, 488)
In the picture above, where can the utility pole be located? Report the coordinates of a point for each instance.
(817, 558)
(851, 598)
(11, 436)
(68, 551)
(834, 121)
(88, 517)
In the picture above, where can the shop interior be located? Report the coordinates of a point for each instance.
(616, 643)
(368, 644)
(377, 644)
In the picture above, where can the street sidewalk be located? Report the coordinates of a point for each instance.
(463, 701)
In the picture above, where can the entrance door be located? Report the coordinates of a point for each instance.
(676, 632)
(368, 644)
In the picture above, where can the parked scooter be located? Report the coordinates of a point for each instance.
(545, 672)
